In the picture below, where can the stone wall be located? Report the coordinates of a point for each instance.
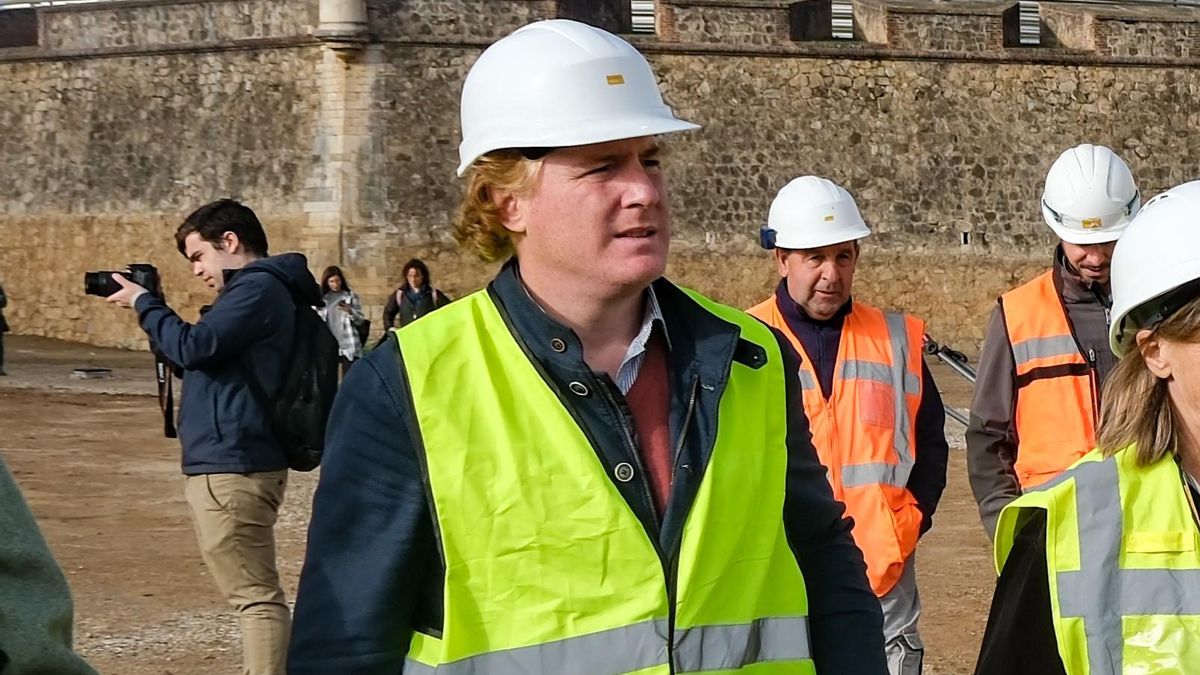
(155, 22)
(132, 115)
(753, 23)
(1158, 39)
(939, 31)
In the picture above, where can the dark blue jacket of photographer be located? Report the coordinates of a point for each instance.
(222, 427)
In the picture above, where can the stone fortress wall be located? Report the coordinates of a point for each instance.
(119, 118)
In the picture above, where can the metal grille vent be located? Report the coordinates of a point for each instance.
(642, 12)
(843, 20)
(1029, 24)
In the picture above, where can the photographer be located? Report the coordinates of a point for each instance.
(235, 469)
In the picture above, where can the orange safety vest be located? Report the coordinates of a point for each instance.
(865, 433)
(1056, 395)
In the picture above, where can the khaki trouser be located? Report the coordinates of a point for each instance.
(234, 516)
(901, 609)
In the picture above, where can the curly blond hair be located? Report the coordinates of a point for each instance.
(478, 226)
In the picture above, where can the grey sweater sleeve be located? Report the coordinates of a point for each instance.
(992, 434)
(35, 602)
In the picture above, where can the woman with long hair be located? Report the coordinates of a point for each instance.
(415, 297)
(1100, 567)
(343, 314)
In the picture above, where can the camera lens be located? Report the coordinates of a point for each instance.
(100, 283)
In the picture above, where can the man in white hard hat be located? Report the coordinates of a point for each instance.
(583, 468)
(1045, 354)
(877, 420)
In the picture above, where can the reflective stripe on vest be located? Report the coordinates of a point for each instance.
(1123, 559)
(558, 575)
(633, 648)
(1054, 413)
(865, 434)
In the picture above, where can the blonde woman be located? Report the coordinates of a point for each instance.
(1100, 567)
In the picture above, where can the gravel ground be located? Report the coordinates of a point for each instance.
(105, 486)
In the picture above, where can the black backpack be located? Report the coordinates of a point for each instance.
(300, 408)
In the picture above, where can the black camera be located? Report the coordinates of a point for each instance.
(102, 284)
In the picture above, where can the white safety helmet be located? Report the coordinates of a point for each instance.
(812, 212)
(559, 83)
(1156, 264)
(1090, 195)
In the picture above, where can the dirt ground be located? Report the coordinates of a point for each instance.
(107, 491)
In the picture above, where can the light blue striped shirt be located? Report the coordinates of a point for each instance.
(631, 365)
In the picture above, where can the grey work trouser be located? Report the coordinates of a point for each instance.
(901, 609)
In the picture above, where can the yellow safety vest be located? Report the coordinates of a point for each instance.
(1123, 556)
(547, 569)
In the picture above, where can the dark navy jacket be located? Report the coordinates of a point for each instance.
(373, 572)
(222, 427)
(821, 340)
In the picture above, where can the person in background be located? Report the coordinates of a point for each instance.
(1099, 566)
(3, 328)
(35, 602)
(1045, 355)
(236, 467)
(415, 298)
(876, 417)
(343, 314)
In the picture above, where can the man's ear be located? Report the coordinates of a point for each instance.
(511, 210)
(1155, 352)
(230, 243)
(781, 257)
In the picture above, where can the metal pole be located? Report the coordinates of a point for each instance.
(957, 361)
(953, 412)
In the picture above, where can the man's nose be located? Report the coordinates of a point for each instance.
(830, 272)
(641, 188)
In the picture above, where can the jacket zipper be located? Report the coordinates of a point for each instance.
(1094, 379)
(666, 562)
(672, 569)
(687, 419)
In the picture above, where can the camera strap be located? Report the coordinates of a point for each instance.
(166, 395)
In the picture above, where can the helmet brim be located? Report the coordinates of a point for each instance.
(582, 133)
(801, 243)
(1083, 238)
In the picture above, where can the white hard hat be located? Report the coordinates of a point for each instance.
(559, 83)
(812, 212)
(1090, 195)
(1158, 254)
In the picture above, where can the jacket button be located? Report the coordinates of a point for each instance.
(624, 472)
(578, 388)
(558, 345)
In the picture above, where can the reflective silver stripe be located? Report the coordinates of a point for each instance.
(1100, 592)
(857, 475)
(1043, 348)
(708, 648)
(417, 668)
(878, 372)
(610, 652)
(898, 335)
(903, 382)
(807, 381)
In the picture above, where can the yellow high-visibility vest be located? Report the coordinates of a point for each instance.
(1123, 556)
(548, 569)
